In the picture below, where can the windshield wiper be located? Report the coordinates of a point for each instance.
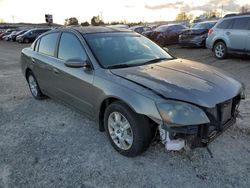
(120, 66)
(139, 64)
(154, 61)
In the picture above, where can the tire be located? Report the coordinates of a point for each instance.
(220, 50)
(34, 87)
(26, 40)
(139, 130)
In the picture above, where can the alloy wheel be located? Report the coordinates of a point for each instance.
(220, 50)
(120, 130)
(33, 85)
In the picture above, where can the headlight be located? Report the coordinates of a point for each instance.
(176, 113)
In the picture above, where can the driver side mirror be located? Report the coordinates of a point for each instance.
(77, 63)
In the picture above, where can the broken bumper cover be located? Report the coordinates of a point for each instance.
(221, 117)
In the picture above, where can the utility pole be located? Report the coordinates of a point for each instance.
(221, 10)
(13, 18)
(101, 15)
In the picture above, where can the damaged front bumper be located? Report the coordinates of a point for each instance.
(221, 118)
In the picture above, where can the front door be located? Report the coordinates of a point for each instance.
(74, 85)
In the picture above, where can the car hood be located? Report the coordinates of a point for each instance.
(184, 80)
(195, 32)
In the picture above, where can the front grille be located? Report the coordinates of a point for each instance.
(221, 117)
(227, 110)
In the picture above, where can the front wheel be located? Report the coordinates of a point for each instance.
(26, 40)
(220, 50)
(129, 133)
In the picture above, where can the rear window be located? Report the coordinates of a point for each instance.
(48, 43)
(224, 24)
(240, 23)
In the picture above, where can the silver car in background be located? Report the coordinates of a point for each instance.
(230, 35)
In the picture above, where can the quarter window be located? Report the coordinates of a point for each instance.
(48, 44)
(224, 24)
(70, 48)
(240, 23)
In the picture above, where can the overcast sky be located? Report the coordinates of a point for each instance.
(111, 10)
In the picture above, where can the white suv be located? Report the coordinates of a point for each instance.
(230, 35)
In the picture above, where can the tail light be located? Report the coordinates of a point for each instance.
(210, 31)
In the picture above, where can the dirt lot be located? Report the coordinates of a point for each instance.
(45, 144)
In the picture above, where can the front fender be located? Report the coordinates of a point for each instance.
(139, 99)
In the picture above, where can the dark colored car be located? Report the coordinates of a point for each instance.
(196, 36)
(166, 34)
(140, 29)
(31, 35)
(14, 35)
(132, 87)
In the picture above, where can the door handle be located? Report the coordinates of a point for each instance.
(228, 33)
(56, 71)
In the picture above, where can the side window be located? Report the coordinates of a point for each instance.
(224, 24)
(70, 48)
(240, 23)
(48, 44)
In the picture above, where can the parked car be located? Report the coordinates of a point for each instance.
(153, 26)
(8, 37)
(196, 36)
(14, 35)
(132, 87)
(31, 35)
(230, 35)
(166, 34)
(140, 29)
(7, 32)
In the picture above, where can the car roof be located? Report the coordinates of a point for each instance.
(137, 26)
(96, 29)
(208, 21)
(237, 16)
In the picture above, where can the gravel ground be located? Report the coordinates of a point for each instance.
(45, 144)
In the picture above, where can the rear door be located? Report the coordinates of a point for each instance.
(248, 38)
(44, 60)
(237, 34)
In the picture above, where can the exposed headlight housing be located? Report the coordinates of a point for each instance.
(200, 37)
(243, 94)
(176, 113)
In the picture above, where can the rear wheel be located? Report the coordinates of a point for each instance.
(220, 50)
(34, 87)
(129, 133)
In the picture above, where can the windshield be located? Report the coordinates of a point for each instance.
(117, 50)
(207, 25)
